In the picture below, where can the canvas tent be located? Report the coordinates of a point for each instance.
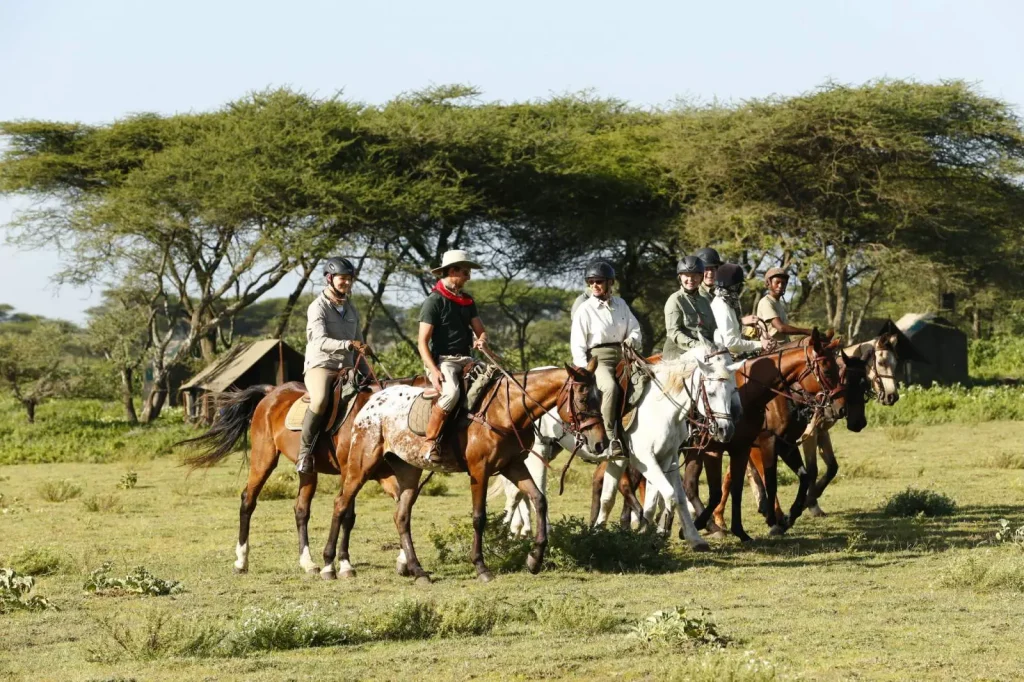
(940, 349)
(270, 361)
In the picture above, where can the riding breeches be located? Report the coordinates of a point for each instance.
(318, 382)
(608, 359)
(451, 367)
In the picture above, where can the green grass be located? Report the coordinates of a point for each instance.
(950, 405)
(852, 595)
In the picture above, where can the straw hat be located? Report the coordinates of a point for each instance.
(455, 257)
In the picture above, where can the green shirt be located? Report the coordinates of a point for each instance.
(452, 333)
(688, 319)
(707, 292)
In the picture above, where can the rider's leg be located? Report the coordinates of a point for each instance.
(451, 385)
(318, 382)
(604, 376)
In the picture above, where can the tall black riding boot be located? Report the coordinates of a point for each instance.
(305, 463)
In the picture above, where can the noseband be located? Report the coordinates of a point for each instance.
(579, 419)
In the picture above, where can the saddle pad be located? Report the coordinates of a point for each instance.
(627, 419)
(296, 413)
(419, 414)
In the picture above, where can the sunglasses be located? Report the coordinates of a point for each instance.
(598, 282)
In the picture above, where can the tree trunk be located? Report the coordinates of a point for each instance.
(976, 322)
(208, 347)
(126, 396)
(30, 408)
(154, 402)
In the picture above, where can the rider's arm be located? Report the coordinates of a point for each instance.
(634, 333)
(784, 328)
(423, 345)
(729, 330)
(477, 325)
(682, 337)
(578, 339)
(316, 328)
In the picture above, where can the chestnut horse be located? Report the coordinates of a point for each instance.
(497, 439)
(261, 411)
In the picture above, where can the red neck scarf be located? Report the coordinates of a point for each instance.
(454, 298)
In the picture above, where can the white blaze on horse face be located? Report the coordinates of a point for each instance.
(242, 556)
(720, 384)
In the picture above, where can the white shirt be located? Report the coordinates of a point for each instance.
(729, 333)
(596, 322)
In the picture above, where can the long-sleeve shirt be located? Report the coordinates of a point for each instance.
(328, 332)
(729, 332)
(688, 319)
(597, 322)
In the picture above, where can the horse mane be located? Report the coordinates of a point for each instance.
(673, 373)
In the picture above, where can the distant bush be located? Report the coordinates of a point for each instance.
(1005, 460)
(911, 502)
(291, 628)
(138, 581)
(996, 358)
(437, 486)
(59, 491)
(950, 405)
(129, 480)
(15, 593)
(38, 561)
(900, 434)
(103, 502)
(158, 637)
(502, 553)
(863, 469)
(574, 613)
(280, 486)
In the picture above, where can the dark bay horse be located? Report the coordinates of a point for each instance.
(260, 411)
(497, 440)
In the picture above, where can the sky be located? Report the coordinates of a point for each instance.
(98, 61)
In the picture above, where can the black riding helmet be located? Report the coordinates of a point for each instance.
(690, 265)
(339, 266)
(709, 256)
(599, 269)
(729, 275)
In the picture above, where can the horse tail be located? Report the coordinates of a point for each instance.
(230, 426)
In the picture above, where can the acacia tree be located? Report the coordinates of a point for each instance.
(34, 365)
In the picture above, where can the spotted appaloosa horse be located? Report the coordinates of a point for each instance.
(261, 410)
(496, 440)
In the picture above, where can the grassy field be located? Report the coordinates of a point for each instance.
(853, 595)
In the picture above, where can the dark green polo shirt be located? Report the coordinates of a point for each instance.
(452, 334)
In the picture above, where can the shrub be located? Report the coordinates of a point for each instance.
(1008, 534)
(129, 480)
(281, 486)
(575, 545)
(1005, 460)
(59, 491)
(293, 628)
(38, 561)
(437, 486)
(158, 637)
(138, 581)
(405, 619)
(901, 434)
(911, 502)
(14, 593)
(502, 552)
(465, 617)
(950, 404)
(106, 502)
(575, 613)
(996, 358)
(675, 629)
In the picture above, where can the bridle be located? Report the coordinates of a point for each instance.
(876, 380)
(818, 402)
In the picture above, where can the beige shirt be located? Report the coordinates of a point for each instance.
(596, 322)
(328, 333)
(768, 309)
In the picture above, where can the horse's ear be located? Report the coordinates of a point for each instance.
(815, 337)
(592, 365)
(842, 352)
(892, 341)
(573, 372)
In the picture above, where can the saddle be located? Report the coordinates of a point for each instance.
(476, 378)
(342, 391)
(632, 385)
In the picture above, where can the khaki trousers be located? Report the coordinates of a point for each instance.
(604, 376)
(318, 382)
(451, 367)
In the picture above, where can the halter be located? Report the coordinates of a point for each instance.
(876, 380)
(818, 402)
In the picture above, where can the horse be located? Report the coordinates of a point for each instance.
(261, 410)
(654, 437)
(495, 439)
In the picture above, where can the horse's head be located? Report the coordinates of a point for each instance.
(823, 377)
(854, 373)
(582, 408)
(881, 368)
(716, 395)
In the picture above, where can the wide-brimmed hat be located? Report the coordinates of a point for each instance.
(775, 272)
(454, 257)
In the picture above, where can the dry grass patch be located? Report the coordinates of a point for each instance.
(59, 491)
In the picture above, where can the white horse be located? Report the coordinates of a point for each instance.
(654, 437)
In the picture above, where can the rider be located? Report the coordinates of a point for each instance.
(333, 331)
(586, 294)
(689, 321)
(772, 309)
(728, 317)
(448, 321)
(600, 325)
(712, 261)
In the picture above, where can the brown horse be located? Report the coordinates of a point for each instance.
(260, 411)
(497, 439)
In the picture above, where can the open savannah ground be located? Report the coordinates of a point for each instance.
(853, 595)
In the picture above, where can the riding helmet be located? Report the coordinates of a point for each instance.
(709, 256)
(339, 266)
(690, 265)
(599, 269)
(729, 275)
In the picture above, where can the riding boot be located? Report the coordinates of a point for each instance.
(305, 463)
(615, 448)
(435, 425)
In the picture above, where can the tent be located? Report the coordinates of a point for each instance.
(940, 350)
(270, 361)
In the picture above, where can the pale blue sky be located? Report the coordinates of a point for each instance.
(96, 61)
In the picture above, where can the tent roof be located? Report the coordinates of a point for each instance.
(221, 374)
(912, 323)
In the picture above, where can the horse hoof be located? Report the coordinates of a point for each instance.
(402, 570)
(485, 576)
(816, 512)
(328, 573)
(240, 571)
(348, 573)
(702, 547)
(743, 537)
(423, 580)
(533, 564)
(777, 530)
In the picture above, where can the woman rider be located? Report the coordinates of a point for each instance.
(729, 281)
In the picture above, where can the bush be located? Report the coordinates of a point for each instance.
(14, 593)
(911, 502)
(405, 619)
(575, 613)
(293, 628)
(1005, 460)
(675, 629)
(281, 486)
(950, 405)
(41, 561)
(863, 469)
(1009, 535)
(900, 434)
(158, 637)
(502, 553)
(996, 358)
(466, 617)
(138, 581)
(106, 502)
(437, 486)
(59, 491)
(129, 480)
(575, 545)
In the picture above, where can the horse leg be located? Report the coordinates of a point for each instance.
(724, 492)
(692, 465)
(633, 487)
(596, 495)
(810, 452)
(688, 530)
(828, 454)
(357, 473)
(764, 454)
(738, 458)
(756, 483)
(520, 475)
(713, 470)
(262, 462)
(791, 456)
(303, 501)
(609, 486)
(648, 465)
(478, 488)
(539, 473)
(408, 480)
(515, 518)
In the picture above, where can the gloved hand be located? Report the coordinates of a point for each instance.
(360, 347)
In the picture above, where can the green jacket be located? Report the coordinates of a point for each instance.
(688, 319)
(707, 292)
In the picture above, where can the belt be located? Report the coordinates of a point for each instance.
(615, 344)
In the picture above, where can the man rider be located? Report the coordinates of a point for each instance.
(772, 308)
(333, 331)
(729, 281)
(689, 321)
(712, 261)
(600, 325)
(448, 321)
